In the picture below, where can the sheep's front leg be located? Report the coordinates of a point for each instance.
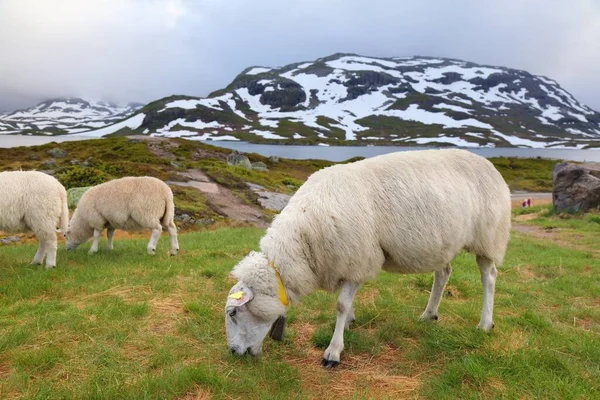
(39, 254)
(173, 236)
(331, 358)
(440, 278)
(153, 240)
(109, 235)
(488, 281)
(94, 247)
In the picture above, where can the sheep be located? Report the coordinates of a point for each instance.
(404, 212)
(34, 201)
(130, 204)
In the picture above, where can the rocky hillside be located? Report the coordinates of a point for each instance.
(350, 99)
(64, 116)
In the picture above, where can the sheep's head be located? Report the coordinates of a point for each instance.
(253, 306)
(77, 233)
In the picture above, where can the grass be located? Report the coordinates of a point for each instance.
(123, 324)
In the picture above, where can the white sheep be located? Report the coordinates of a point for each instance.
(37, 202)
(130, 204)
(405, 212)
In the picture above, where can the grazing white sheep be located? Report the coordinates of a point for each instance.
(37, 202)
(405, 212)
(130, 204)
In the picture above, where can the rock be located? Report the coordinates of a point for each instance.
(57, 153)
(576, 187)
(254, 186)
(9, 239)
(74, 194)
(133, 140)
(260, 166)
(50, 172)
(274, 159)
(183, 218)
(205, 221)
(273, 201)
(51, 163)
(176, 164)
(239, 160)
(75, 162)
(34, 156)
(87, 162)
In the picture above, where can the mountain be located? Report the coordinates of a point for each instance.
(63, 116)
(351, 99)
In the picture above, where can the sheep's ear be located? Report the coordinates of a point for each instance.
(239, 295)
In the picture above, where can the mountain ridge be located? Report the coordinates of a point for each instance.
(64, 115)
(356, 100)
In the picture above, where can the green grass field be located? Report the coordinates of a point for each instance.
(123, 324)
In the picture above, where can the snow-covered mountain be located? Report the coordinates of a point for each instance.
(63, 116)
(354, 99)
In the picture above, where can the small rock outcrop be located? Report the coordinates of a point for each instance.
(49, 163)
(239, 160)
(74, 194)
(259, 166)
(57, 153)
(576, 187)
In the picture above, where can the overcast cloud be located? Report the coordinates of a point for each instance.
(142, 50)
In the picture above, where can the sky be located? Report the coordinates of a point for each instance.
(142, 50)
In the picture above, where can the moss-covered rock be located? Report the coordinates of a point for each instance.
(74, 194)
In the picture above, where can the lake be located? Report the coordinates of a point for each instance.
(341, 153)
(332, 153)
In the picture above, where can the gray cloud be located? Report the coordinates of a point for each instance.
(141, 50)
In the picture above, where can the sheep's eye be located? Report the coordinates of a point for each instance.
(233, 312)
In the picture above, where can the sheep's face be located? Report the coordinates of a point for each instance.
(253, 306)
(245, 329)
(77, 235)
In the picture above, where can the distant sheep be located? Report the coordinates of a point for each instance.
(37, 202)
(130, 204)
(405, 212)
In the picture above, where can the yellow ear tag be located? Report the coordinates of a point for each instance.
(236, 295)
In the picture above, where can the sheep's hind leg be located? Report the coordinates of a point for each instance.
(39, 254)
(488, 281)
(331, 358)
(440, 278)
(173, 236)
(153, 240)
(94, 247)
(109, 235)
(50, 247)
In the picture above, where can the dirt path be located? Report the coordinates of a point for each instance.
(221, 199)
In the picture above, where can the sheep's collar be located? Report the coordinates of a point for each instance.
(280, 290)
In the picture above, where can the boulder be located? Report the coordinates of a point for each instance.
(49, 163)
(259, 166)
(57, 153)
(239, 160)
(576, 187)
(273, 159)
(74, 194)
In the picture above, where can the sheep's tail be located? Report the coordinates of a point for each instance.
(64, 218)
(169, 216)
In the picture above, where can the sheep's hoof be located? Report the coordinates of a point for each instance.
(428, 318)
(151, 251)
(174, 252)
(487, 328)
(329, 363)
(50, 266)
(36, 262)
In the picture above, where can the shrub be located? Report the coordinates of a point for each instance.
(78, 177)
